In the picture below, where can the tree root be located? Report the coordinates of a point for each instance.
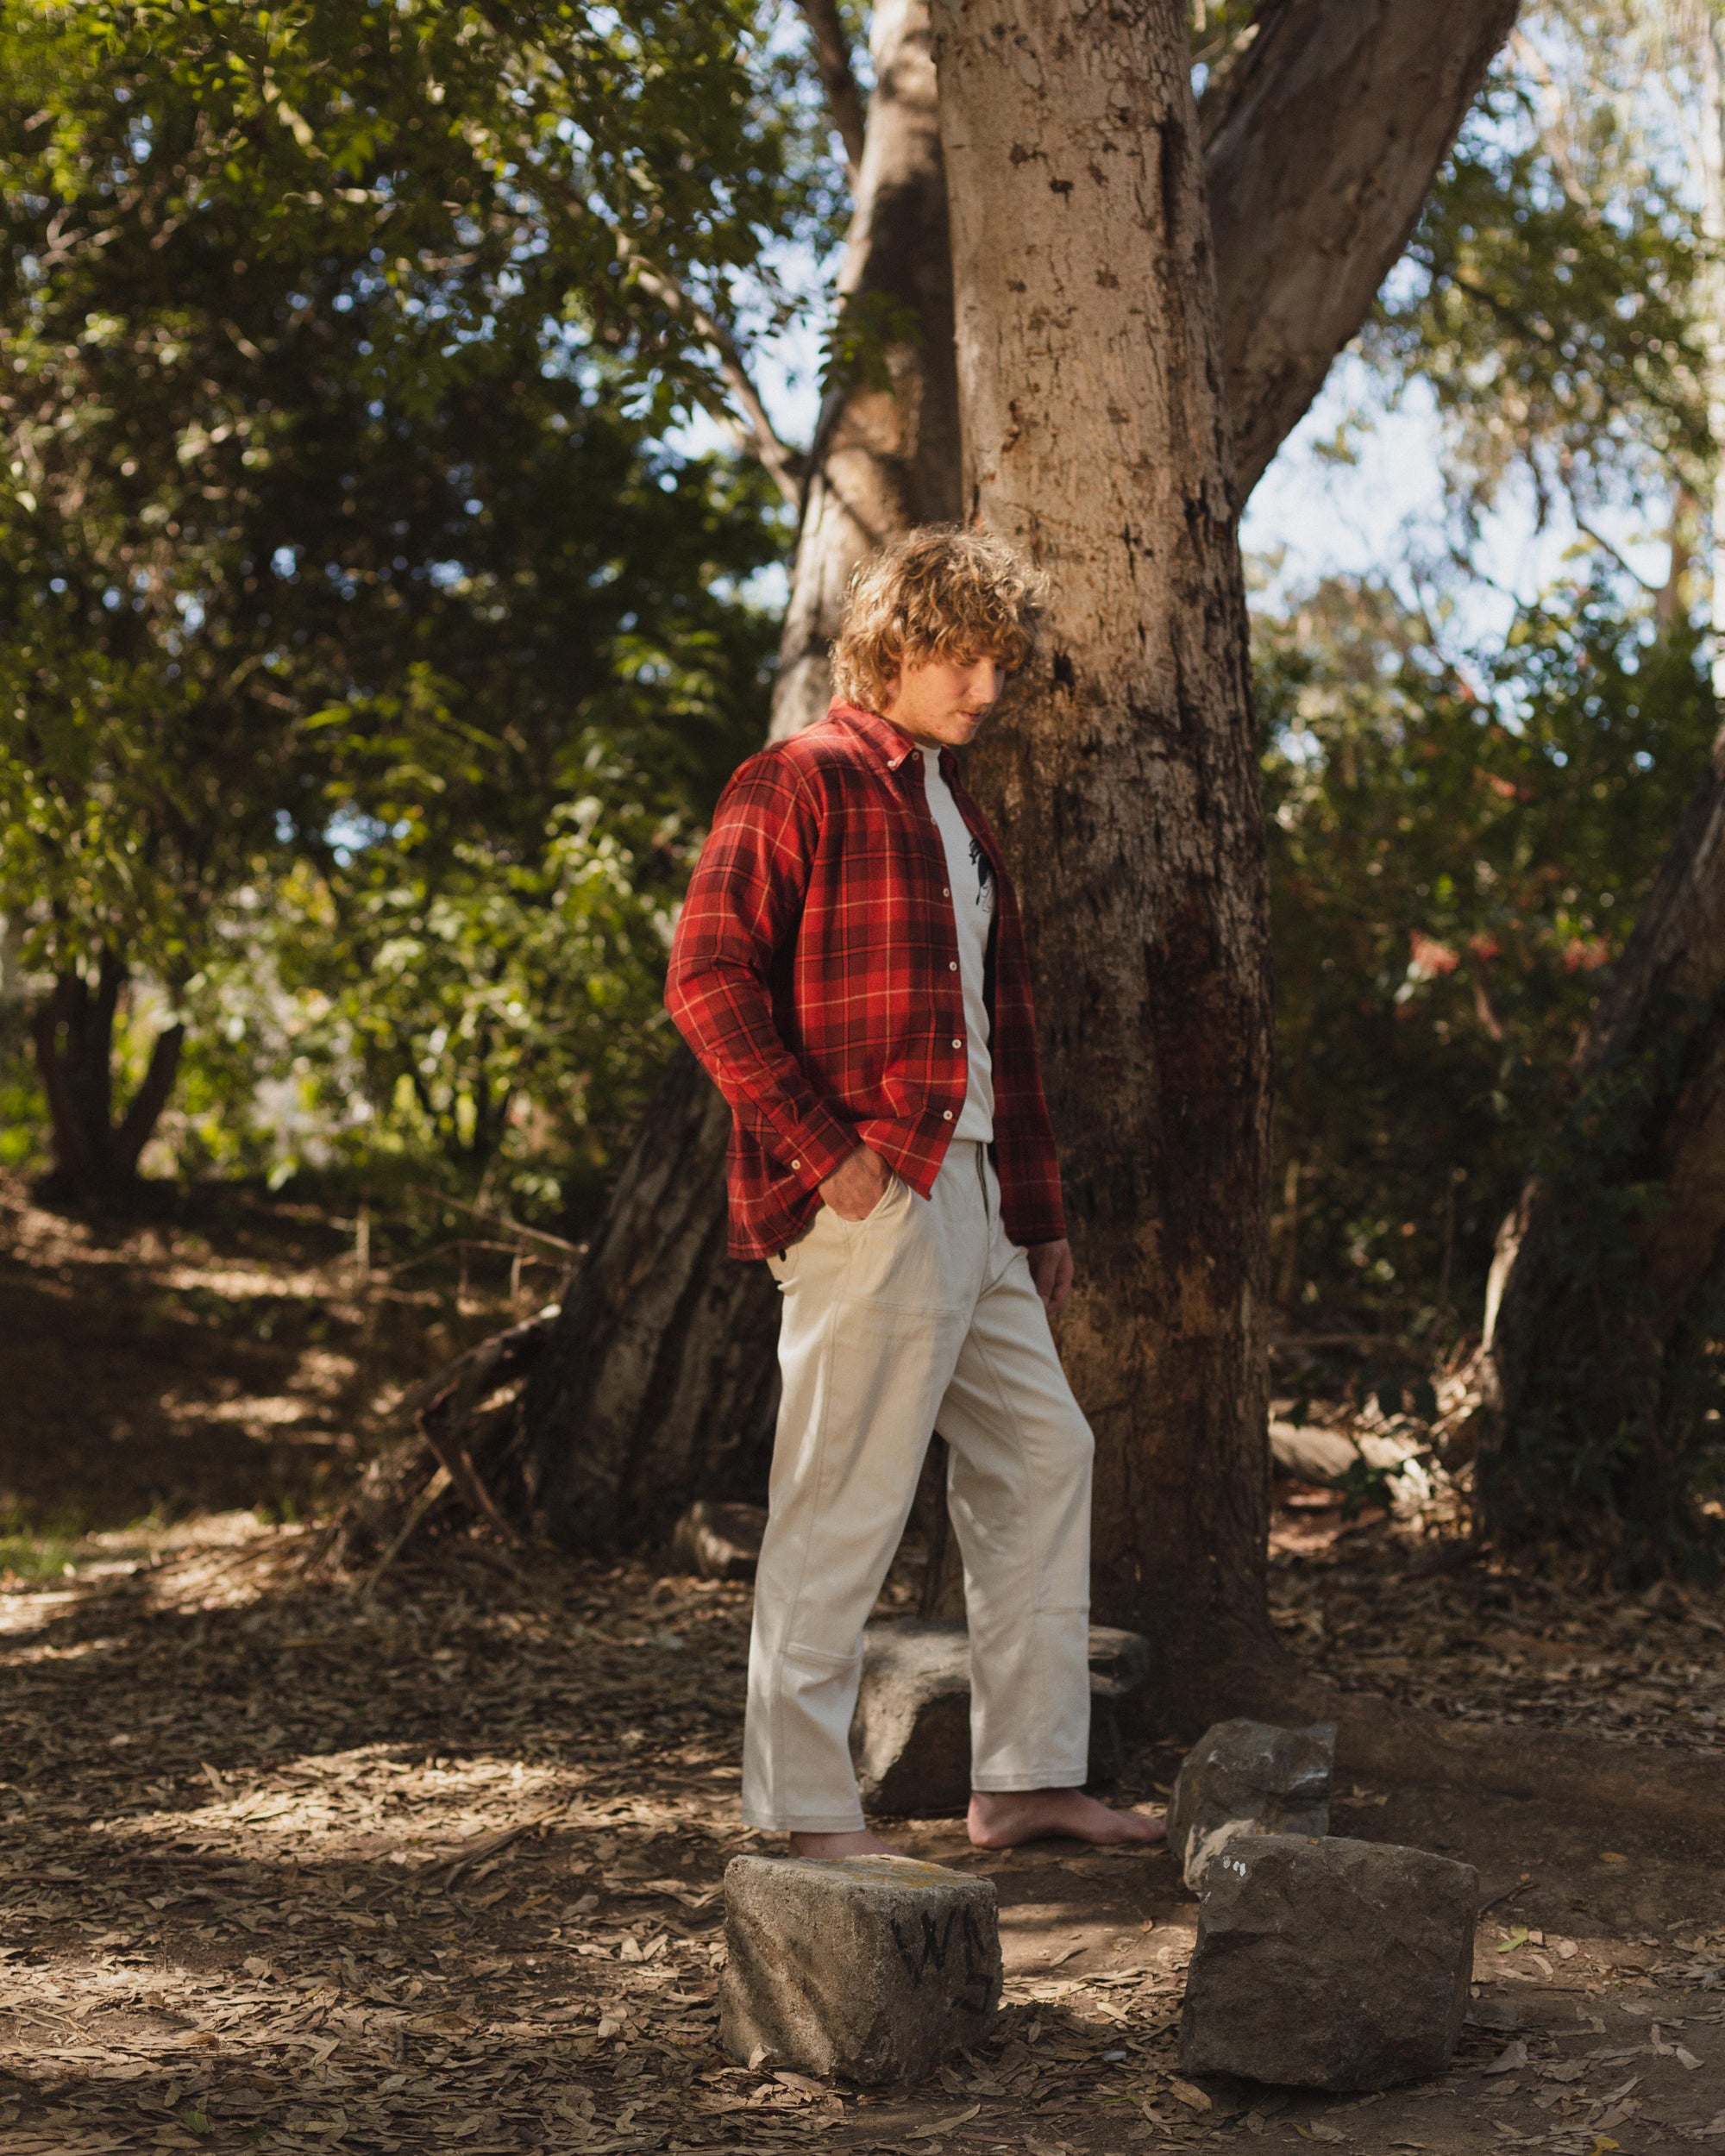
(464, 1449)
(1378, 1740)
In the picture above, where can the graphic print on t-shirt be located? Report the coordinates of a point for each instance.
(985, 876)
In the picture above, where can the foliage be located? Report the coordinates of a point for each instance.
(324, 358)
(1459, 846)
(473, 986)
(1548, 299)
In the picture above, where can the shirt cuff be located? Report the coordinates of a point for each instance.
(820, 1143)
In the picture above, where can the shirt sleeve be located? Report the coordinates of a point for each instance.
(743, 904)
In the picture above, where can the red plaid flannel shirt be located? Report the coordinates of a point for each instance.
(815, 974)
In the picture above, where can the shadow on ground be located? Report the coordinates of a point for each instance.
(283, 1866)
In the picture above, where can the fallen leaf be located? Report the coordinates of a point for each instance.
(1320, 2132)
(941, 2125)
(1612, 1856)
(1185, 2093)
(1506, 2061)
(1516, 1938)
(1685, 2057)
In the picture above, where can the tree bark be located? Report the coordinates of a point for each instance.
(1122, 776)
(844, 98)
(73, 1031)
(659, 1382)
(1320, 146)
(887, 455)
(1608, 1292)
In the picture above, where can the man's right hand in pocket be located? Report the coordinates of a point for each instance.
(857, 1185)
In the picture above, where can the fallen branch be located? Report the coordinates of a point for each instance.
(416, 1512)
(464, 1427)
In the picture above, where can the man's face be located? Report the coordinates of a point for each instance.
(936, 701)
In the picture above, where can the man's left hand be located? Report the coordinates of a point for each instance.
(1051, 1270)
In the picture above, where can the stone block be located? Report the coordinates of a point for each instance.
(910, 1736)
(1245, 1777)
(1304, 1452)
(873, 1968)
(1329, 1964)
(719, 1542)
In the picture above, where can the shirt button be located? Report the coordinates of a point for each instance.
(946, 890)
(946, 1114)
(952, 965)
(796, 1164)
(959, 1043)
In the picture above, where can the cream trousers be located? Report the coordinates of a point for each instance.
(922, 1315)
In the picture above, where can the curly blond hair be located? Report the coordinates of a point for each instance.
(940, 593)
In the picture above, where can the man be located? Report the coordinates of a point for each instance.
(850, 970)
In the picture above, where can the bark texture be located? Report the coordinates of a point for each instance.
(1320, 142)
(1122, 776)
(886, 451)
(659, 1378)
(887, 455)
(1608, 1290)
(95, 1156)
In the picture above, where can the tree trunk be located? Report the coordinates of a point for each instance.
(1122, 776)
(74, 1029)
(886, 455)
(660, 1383)
(1607, 1295)
(1607, 1299)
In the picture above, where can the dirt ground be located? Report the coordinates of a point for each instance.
(235, 1351)
(288, 1863)
(282, 1865)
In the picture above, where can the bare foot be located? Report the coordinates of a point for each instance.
(861, 1843)
(1000, 1819)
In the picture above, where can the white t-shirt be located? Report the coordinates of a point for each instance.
(972, 881)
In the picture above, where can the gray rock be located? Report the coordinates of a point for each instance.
(1243, 1778)
(719, 1542)
(1331, 1964)
(1304, 1452)
(870, 1968)
(910, 1736)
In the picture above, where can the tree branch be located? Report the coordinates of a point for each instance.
(151, 1097)
(753, 429)
(1617, 555)
(843, 97)
(1321, 147)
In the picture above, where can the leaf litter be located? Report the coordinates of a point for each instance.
(286, 1868)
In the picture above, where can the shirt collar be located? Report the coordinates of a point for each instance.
(884, 740)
